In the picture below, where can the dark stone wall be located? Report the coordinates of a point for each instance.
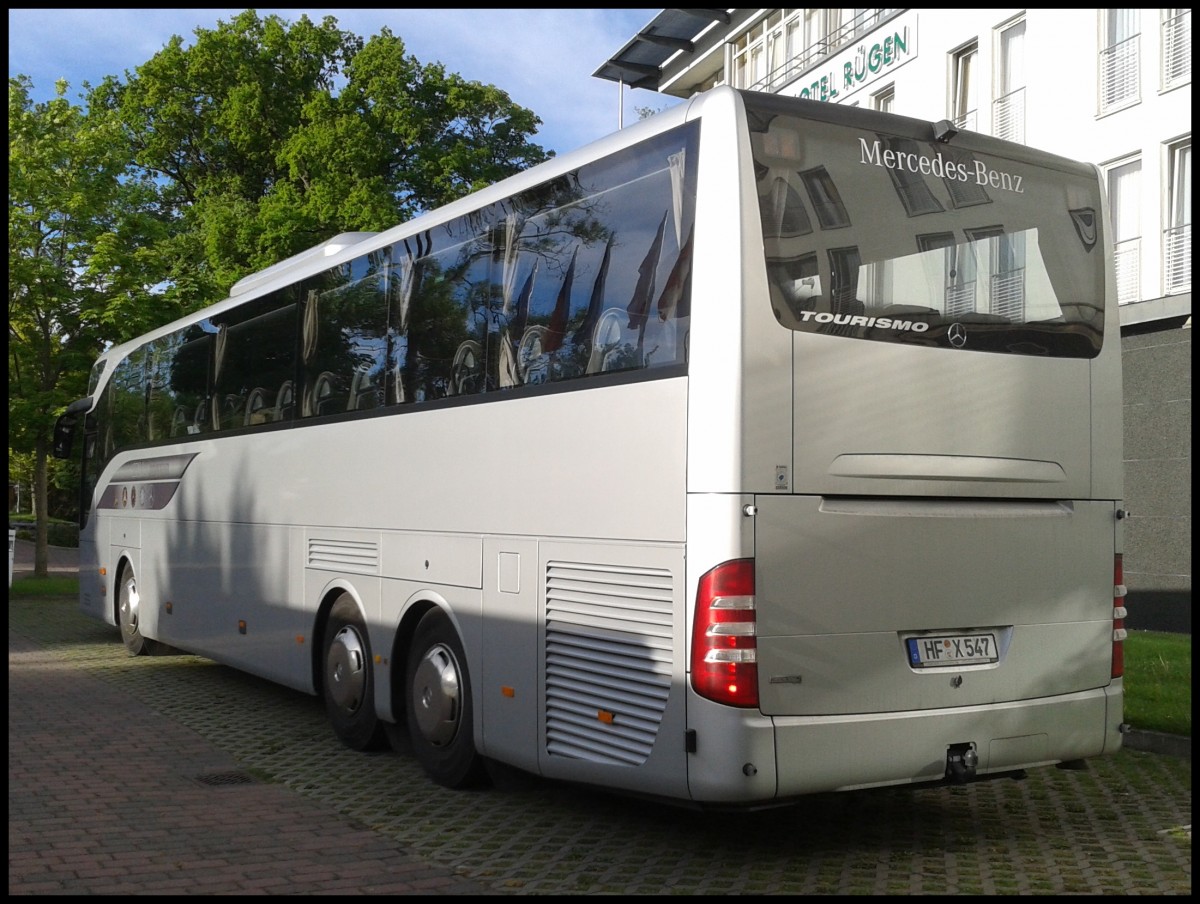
(1157, 360)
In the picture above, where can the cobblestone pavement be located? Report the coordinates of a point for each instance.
(176, 775)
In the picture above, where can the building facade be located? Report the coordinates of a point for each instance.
(1109, 86)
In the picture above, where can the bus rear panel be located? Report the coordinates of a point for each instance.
(929, 453)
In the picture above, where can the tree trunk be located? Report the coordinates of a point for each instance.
(41, 509)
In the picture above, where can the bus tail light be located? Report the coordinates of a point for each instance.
(1119, 613)
(724, 636)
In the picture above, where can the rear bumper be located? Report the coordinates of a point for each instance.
(807, 755)
(846, 752)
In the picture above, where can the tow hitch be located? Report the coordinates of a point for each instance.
(961, 760)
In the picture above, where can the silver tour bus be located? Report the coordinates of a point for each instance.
(765, 447)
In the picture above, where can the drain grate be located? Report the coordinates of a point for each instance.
(225, 779)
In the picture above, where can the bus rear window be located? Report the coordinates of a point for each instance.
(889, 238)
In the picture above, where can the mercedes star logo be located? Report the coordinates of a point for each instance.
(957, 335)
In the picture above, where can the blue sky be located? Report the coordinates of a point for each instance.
(544, 59)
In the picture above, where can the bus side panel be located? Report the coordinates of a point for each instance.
(740, 434)
(231, 597)
(94, 588)
(1108, 390)
(507, 690)
(612, 656)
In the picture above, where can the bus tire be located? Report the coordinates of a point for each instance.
(129, 604)
(438, 704)
(348, 681)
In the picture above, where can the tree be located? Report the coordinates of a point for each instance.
(259, 155)
(257, 141)
(73, 266)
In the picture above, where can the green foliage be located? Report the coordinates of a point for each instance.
(62, 484)
(1158, 682)
(73, 245)
(59, 531)
(259, 156)
(259, 140)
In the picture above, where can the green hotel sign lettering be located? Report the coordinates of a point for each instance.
(861, 65)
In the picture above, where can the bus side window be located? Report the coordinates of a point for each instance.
(252, 359)
(345, 337)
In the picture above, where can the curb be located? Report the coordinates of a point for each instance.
(1157, 742)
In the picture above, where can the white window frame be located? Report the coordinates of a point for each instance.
(964, 98)
(1176, 49)
(1123, 181)
(884, 99)
(1177, 219)
(1008, 109)
(1118, 75)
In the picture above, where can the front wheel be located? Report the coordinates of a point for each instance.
(349, 684)
(438, 704)
(129, 616)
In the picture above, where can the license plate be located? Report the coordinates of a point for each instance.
(932, 651)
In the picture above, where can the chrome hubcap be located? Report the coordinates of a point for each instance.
(346, 670)
(436, 691)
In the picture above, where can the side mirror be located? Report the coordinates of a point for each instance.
(64, 428)
(64, 436)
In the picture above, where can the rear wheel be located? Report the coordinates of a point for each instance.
(438, 704)
(349, 684)
(129, 616)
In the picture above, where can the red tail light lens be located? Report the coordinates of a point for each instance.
(1119, 613)
(724, 636)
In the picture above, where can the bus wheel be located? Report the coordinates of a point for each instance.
(349, 685)
(129, 604)
(438, 704)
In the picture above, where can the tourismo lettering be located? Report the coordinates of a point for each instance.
(886, 323)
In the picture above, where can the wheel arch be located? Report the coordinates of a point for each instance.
(332, 592)
(123, 562)
(415, 608)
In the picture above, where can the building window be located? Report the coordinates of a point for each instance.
(1177, 238)
(789, 41)
(863, 21)
(911, 187)
(958, 265)
(964, 104)
(1176, 47)
(885, 100)
(1119, 59)
(1124, 196)
(768, 55)
(1008, 112)
(814, 32)
(826, 201)
(844, 267)
(793, 43)
(784, 214)
(964, 193)
(1006, 271)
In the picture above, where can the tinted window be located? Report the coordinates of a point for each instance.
(921, 242)
(345, 338)
(584, 275)
(254, 362)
